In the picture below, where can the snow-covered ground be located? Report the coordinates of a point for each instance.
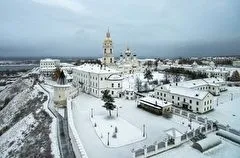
(227, 111)
(13, 138)
(125, 132)
(226, 149)
(129, 80)
(155, 125)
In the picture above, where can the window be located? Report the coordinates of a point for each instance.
(190, 107)
(111, 51)
(172, 97)
(101, 78)
(118, 85)
(104, 52)
(210, 101)
(197, 103)
(112, 92)
(157, 93)
(110, 60)
(197, 109)
(164, 95)
(190, 101)
(178, 98)
(161, 94)
(184, 100)
(205, 103)
(173, 102)
(112, 84)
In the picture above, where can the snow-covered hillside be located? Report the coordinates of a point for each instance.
(25, 126)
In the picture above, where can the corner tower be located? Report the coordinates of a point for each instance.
(108, 58)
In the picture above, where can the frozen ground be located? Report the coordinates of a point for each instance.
(155, 125)
(126, 132)
(227, 111)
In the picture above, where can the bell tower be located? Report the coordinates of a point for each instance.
(108, 58)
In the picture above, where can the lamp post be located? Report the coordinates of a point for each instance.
(231, 96)
(91, 112)
(117, 111)
(144, 130)
(108, 139)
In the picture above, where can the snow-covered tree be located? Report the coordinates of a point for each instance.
(148, 75)
(138, 84)
(109, 100)
(235, 76)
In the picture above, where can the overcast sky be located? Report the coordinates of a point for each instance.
(163, 28)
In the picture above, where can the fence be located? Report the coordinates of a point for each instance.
(170, 143)
(205, 120)
(207, 126)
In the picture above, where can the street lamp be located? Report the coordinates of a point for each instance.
(144, 130)
(108, 139)
(91, 112)
(117, 111)
(231, 96)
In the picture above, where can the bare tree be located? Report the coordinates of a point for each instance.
(138, 84)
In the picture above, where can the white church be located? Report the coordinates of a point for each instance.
(128, 62)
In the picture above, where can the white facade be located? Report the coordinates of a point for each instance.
(93, 79)
(47, 66)
(236, 63)
(128, 62)
(194, 100)
(60, 95)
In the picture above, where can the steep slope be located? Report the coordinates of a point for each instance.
(24, 124)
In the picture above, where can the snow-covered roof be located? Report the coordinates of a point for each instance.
(173, 132)
(95, 68)
(115, 77)
(48, 60)
(66, 65)
(201, 82)
(183, 91)
(207, 143)
(155, 102)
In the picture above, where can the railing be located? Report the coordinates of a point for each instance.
(164, 145)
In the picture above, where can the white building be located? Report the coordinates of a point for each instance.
(236, 63)
(212, 85)
(194, 100)
(47, 66)
(218, 72)
(128, 62)
(93, 79)
(155, 105)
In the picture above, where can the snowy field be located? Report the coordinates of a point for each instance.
(125, 132)
(227, 111)
(155, 125)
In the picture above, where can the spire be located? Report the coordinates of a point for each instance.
(108, 33)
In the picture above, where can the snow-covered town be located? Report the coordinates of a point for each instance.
(119, 79)
(122, 107)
